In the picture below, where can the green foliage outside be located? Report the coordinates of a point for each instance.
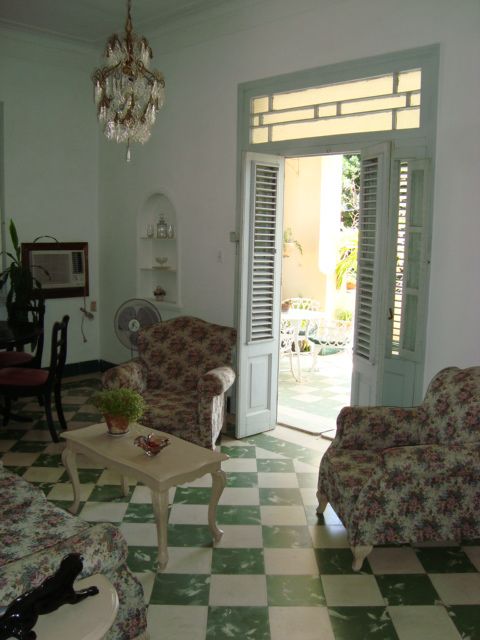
(120, 402)
(348, 251)
(350, 190)
(343, 314)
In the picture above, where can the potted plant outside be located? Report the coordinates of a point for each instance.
(289, 243)
(119, 407)
(346, 268)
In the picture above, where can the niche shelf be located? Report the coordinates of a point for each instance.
(149, 273)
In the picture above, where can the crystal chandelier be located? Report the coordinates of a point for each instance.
(127, 93)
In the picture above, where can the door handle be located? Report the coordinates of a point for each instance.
(390, 313)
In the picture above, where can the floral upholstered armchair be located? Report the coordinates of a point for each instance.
(408, 475)
(182, 371)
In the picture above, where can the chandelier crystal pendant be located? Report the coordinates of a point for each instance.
(127, 93)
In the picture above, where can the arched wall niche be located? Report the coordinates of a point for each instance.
(157, 251)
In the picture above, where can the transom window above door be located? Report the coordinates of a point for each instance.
(378, 103)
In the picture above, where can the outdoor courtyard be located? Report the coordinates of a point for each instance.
(313, 403)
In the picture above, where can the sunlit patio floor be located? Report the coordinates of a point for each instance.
(313, 403)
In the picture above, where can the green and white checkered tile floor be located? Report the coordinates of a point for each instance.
(279, 572)
(313, 404)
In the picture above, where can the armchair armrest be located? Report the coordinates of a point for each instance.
(433, 460)
(377, 428)
(216, 381)
(131, 374)
(102, 546)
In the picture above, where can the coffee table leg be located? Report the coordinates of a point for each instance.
(219, 480)
(70, 464)
(160, 509)
(124, 486)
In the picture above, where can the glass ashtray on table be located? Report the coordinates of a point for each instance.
(151, 444)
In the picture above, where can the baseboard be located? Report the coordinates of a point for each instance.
(105, 364)
(87, 366)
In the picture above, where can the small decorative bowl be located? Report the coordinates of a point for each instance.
(151, 444)
(161, 261)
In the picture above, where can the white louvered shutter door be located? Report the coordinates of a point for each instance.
(370, 319)
(410, 263)
(259, 309)
(365, 314)
(262, 251)
(403, 366)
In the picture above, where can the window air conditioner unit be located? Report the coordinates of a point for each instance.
(60, 267)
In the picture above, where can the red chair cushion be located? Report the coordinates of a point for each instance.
(14, 358)
(13, 377)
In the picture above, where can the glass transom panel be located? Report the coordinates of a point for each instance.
(383, 103)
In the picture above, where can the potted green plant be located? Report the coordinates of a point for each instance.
(289, 243)
(119, 407)
(159, 293)
(23, 284)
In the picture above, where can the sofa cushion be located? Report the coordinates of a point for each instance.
(175, 411)
(175, 414)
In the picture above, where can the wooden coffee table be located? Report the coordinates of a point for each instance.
(179, 462)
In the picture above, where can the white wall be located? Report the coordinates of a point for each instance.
(311, 209)
(51, 161)
(194, 164)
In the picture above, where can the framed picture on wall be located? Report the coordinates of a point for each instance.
(61, 267)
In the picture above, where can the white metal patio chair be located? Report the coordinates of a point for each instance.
(330, 334)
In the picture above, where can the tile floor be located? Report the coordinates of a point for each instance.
(314, 403)
(279, 573)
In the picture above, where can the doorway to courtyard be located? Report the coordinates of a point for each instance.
(319, 265)
(385, 109)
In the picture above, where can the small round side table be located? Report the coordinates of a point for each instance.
(87, 620)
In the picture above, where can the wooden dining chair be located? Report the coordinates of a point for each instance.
(23, 382)
(20, 358)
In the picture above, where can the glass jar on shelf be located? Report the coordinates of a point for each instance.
(162, 228)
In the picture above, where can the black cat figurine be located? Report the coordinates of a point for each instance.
(22, 614)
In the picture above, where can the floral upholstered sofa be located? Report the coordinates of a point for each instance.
(34, 537)
(408, 475)
(182, 371)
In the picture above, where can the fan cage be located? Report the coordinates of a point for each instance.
(131, 316)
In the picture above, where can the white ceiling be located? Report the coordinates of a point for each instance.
(93, 21)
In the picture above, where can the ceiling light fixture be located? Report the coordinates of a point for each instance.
(127, 93)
